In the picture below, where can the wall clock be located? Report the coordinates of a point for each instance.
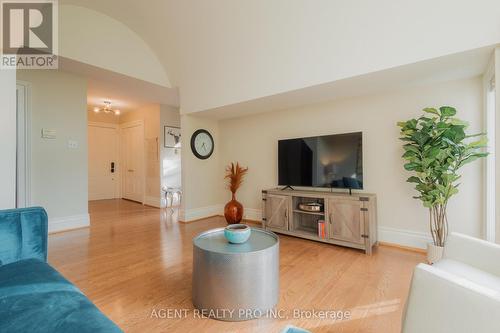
(202, 144)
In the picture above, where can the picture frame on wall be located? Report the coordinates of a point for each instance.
(171, 137)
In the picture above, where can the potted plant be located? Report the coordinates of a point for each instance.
(436, 147)
(233, 211)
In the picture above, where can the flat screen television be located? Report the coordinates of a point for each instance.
(333, 161)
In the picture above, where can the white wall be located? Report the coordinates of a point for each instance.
(201, 179)
(170, 158)
(99, 40)
(58, 173)
(252, 141)
(8, 139)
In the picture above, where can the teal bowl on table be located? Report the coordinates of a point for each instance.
(237, 233)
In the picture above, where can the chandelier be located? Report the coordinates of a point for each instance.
(107, 109)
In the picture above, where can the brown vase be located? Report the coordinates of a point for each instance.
(233, 211)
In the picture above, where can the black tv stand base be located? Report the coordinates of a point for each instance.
(287, 187)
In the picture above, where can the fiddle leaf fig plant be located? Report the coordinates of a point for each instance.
(436, 146)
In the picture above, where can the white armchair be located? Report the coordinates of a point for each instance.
(458, 294)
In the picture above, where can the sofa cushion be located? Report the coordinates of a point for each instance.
(55, 312)
(470, 273)
(31, 276)
(23, 234)
(10, 232)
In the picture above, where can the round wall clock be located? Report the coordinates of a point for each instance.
(202, 144)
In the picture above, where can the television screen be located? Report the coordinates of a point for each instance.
(322, 161)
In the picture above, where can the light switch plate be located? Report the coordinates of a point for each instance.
(49, 133)
(72, 144)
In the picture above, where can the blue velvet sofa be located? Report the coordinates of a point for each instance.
(34, 297)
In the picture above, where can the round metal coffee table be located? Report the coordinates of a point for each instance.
(235, 282)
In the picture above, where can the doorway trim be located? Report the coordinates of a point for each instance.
(490, 115)
(23, 144)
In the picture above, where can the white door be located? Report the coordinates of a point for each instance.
(132, 142)
(103, 161)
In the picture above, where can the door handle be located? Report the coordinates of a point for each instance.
(112, 167)
(330, 218)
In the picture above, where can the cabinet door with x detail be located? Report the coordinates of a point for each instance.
(346, 219)
(277, 211)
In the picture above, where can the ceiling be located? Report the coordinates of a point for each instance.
(241, 53)
(98, 92)
(125, 93)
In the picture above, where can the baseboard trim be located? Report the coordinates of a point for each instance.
(252, 222)
(247, 221)
(252, 214)
(402, 247)
(153, 202)
(195, 214)
(68, 223)
(404, 238)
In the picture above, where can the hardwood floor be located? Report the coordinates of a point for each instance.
(134, 263)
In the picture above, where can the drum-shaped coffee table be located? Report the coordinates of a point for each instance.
(235, 281)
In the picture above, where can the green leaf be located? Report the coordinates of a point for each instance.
(447, 111)
(427, 204)
(406, 125)
(468, 160)
(442, 125)
(412, 124)
(456, 121)
(448, 141)
(475, 135)
(455, 133)
(433, 152)
(414, 179)
(420, 137)
(482, 154)
(426, 120)
(431, 110)
(411, 166)
(479, 143)
(409, 147)
(410, 155)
